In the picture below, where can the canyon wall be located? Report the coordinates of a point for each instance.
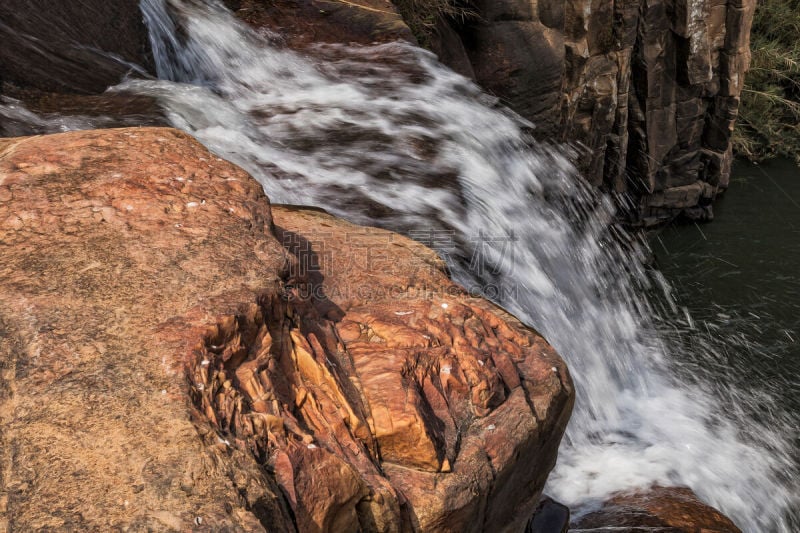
(648, 90)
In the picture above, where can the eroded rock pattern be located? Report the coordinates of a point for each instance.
(178, 355)
(432, 403)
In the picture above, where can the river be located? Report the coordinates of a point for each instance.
(739, 280)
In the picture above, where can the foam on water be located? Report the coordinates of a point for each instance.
(385, 135)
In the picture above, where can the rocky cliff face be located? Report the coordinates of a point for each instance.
(649, 88)
(175, 354)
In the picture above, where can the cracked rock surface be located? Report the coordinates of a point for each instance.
(177, 354)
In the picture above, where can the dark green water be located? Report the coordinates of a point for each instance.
(739, 279)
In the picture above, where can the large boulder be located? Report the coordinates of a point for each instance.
(117, 250)
(177, 354)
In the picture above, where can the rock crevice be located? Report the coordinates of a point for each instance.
(418, 402)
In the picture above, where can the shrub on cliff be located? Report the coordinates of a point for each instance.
(769, 116)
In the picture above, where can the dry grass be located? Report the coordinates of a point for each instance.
(769, 117)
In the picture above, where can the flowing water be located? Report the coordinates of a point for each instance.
(385, 135)
(739, 280)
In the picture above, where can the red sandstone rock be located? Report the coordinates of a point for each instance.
(661, 510)
(116, 254)
(176, 354)
(462, 399)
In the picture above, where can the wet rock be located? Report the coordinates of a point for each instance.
(80, 47)
(301, 23)
(177, 354)
(550, 517)
(449, 48)
(28, 111)
(660, 509)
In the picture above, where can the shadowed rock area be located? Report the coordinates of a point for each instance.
(176, 354)
(77, 47)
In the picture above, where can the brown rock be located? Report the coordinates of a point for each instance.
(660, 509)
(301, 23)
(160, 347)
(406, 376)
(521, 61)
(120, 262)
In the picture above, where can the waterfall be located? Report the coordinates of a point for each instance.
(385, 135)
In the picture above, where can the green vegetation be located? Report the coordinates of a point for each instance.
(769, 116)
